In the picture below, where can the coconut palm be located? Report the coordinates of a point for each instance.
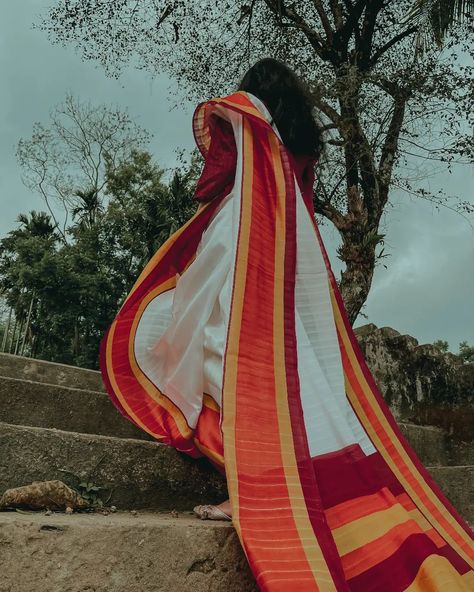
(35, 224)
(435, 18)
(89, 207)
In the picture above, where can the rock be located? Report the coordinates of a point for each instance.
(421, 383)
(43, 494)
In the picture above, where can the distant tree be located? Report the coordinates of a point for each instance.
(466, 352)
(72, 152)
(441, 344)
(75, 287)
(144, 209)
(390, 120)
(30, 266)
(88, 209)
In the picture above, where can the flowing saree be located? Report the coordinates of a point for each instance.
(234, 344)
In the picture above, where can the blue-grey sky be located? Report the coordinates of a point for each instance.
(427, 290)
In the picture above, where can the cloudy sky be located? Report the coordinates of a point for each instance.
(427, 290)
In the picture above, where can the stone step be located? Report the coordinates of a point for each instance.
(457, 483)
(50, 372)
(435, 446)
(27, 402)
(139, 474)
(134, 473)
(120, 553)
(40, 404)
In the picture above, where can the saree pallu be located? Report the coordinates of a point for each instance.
(235, 344)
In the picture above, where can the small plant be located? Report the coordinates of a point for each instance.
(91, 493)
(87, 488)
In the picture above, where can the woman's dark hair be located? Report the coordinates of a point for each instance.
(289, 102)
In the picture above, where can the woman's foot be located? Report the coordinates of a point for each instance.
(209, 512)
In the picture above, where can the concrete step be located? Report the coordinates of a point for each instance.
(27, 402)
(139, 474)
(50, 372)
(134, 473)
(120, 553)
(40, 404)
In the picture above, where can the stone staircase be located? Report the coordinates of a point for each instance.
(56, 422)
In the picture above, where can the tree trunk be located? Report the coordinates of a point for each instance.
(7, 331)
(356, 279)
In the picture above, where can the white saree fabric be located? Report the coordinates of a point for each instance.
(181, 335)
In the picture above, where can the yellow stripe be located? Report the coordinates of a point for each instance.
(149, 387)
(436, 574)
(395, 443)
(208, 401)
(309, 542)
(468, 580)
(230, 375)
(218, 458)
(362, 531)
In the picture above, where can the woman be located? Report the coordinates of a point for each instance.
(234, 344)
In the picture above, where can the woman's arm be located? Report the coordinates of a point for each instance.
(218, 174)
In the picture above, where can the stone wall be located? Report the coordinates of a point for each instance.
(421, 383)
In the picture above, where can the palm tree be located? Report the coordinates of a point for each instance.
(435, 18)
(36, 224)
(88, 209)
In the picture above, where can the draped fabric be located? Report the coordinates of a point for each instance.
(234, 343)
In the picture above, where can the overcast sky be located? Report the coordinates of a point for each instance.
(427, 290)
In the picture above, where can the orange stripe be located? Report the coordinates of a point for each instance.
(362, 531)
(372, 417)
(256, 515)
(208, 401)
(112, 377)
(351, 510)
(359, 507)
(256, 526)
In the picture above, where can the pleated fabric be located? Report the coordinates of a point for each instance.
(235, 344)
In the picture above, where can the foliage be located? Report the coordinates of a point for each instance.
(390, 119)
(435, 19)
(74, 151)
(78, 285)
(466, 352)
(91, 493)
(441, 344)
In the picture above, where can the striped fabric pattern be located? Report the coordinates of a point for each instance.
(346, 520)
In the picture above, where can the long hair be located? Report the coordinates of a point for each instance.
(289, 102)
